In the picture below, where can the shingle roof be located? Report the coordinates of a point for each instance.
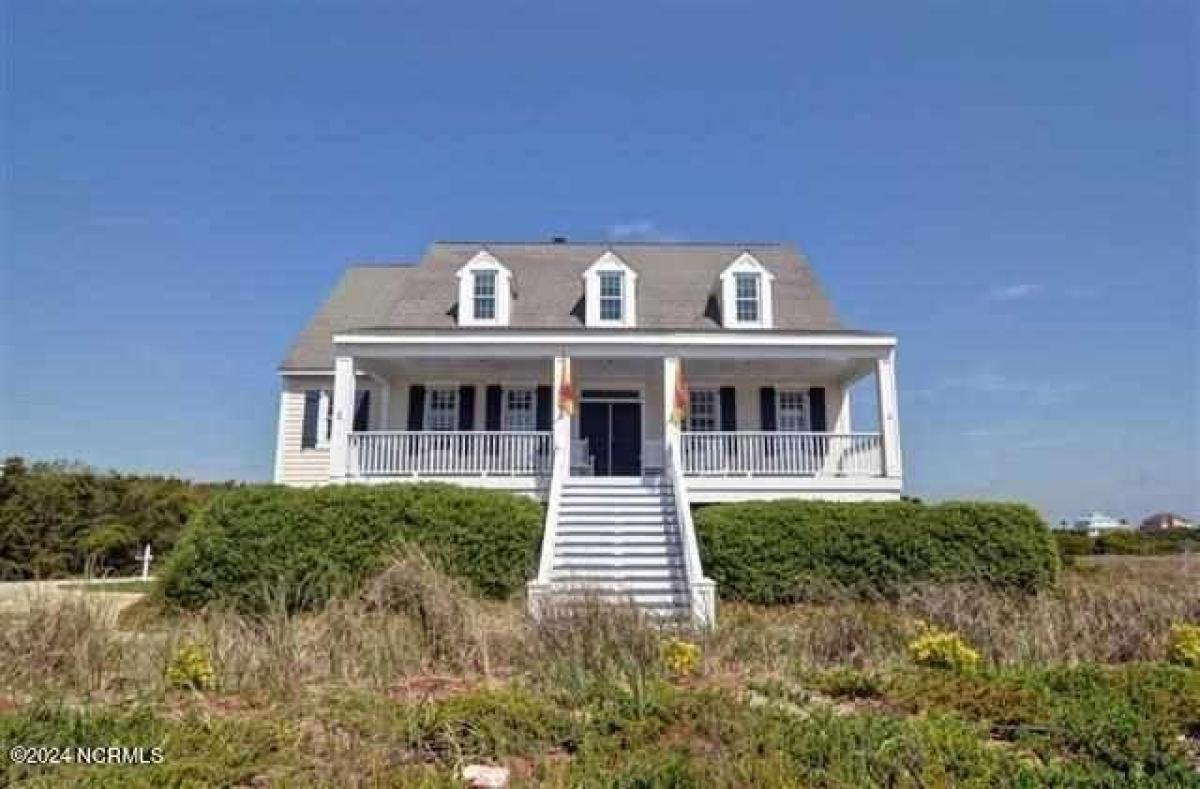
(677, 290)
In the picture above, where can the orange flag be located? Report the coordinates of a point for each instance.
(566, 395)
(679, 408)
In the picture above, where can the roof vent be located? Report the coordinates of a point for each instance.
(559, 239)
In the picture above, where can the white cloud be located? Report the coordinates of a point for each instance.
(1016, 292)
(639, 230)
(991, 383)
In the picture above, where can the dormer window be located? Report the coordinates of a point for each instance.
(746, 297)
(745, 290)
(485, 295)
(610, 293)
(485, 291)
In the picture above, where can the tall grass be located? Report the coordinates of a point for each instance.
(414, 622)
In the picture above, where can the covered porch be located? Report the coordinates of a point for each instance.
(761, 416)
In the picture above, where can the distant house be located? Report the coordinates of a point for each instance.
(1096, 523)
(1161, 521)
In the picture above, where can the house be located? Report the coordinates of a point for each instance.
(1161, 521)
(618, 382)
(1096, 523)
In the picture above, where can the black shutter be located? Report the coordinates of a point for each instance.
(312, 418)
(362, 410)
(766, 407)
(545, 404)
(728, 408)
(493, 403)
(466, 408)
(416, 407)
(816, 408)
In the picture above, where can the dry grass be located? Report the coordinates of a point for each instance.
(413, 622)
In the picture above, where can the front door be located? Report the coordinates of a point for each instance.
(614, 434)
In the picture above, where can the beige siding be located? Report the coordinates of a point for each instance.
(296, 466)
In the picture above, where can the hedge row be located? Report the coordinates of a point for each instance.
(60, 519)
(1129, 542)
(263, 546)
(789, 551)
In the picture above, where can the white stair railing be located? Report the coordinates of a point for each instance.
(702, 597)
(560, 470)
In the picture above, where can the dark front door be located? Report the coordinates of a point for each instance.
(625, 450)
(614, 435)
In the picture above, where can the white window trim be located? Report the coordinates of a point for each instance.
(609, 262)
(484, 261)
(505, 423)
(716, 400)
(324, 419)
(747, 264)
(428, 406)
(804, 397)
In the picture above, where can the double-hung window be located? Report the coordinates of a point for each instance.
(520, 410)
(485, 295)
(441, 408)
(702, 410)
(793, 410)
(612, 296)
(747, 289)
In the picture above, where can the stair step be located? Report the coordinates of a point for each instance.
(617, 538)
(618, 482)
(618, 501)
(567, 511)
(606, 574)
(607, 488)
(613, 529)
(610, 517)
(616, 588)
(614, 489)
(600, 546)
(572, 594)
(625, 561)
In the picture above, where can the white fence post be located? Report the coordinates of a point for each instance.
(146, 557)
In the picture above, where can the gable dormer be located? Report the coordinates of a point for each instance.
(484, 292)
(746, 298)
(610, 293)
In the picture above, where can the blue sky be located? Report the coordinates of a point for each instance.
(1009, 187)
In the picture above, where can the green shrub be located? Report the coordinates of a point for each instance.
(259, 547)
(190, 668)
(935, 648)
(1185, 645)
(787, 551)
(1129, 542)
(60, 519)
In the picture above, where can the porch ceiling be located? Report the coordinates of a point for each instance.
(587, 371)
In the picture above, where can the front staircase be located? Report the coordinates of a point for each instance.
(620, 540)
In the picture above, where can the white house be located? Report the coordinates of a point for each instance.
(619, 382)
(1096, 523)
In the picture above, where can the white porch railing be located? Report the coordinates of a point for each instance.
(782, 453)
(383, 453)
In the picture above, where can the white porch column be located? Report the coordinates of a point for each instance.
(343, 418)
(889, 418)
(562, 420)
(670, 372)
(841, 423)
